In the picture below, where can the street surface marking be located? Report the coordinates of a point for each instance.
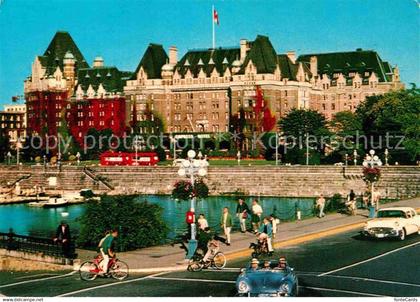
(193, 280)
(108, 285)
(37, 280)
(361, 278)
(341, 291)
(367, 260)
(36, 275)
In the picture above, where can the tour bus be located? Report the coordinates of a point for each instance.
(113, 158)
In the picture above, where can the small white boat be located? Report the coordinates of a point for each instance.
(38, 204)
(55, 202)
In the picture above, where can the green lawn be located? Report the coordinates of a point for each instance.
(230, 162)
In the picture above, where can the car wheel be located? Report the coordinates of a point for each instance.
(402, 235)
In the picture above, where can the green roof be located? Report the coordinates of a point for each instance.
(200, 59)
(360, 61)
(152, 61)
(262, 54)
(54, 54)
(288, 69)
(111, 78)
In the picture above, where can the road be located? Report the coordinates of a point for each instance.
(344, 265)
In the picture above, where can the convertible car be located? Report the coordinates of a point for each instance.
(267, 282)
(396, 222)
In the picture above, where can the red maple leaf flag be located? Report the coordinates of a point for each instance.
(215, 17)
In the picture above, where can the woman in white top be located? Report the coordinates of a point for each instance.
(256, 215)
(202, 222)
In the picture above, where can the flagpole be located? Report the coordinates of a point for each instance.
(212, 22)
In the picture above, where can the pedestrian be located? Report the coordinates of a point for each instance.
(266, 233)
(320, 205)
(351, 202)
(226, 224)
(63, 236)
(242, 214)
(274, 222)
(256, 215)
(202, 222)
(365, 199)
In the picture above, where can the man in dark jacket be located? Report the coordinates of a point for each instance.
(62, 235)
(242, 214)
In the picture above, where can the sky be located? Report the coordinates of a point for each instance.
(120, 30)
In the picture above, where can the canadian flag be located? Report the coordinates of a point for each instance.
(215, 17)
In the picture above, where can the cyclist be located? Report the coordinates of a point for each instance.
(212, 245)
(106, 249)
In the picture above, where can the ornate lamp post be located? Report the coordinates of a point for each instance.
(355, 157)
(346, 157)
(238, 156)
(9, 156)
(192, 167)
(78, 158)
(372, 161)
(386, 157)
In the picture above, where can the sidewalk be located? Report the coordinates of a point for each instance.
(166, 257)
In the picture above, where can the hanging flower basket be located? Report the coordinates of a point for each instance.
(371, 174)
(183, 190)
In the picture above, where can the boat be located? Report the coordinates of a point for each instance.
(55, 202)
(38, 204)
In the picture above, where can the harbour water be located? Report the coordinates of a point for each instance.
(42, 222)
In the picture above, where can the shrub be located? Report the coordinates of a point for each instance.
(38, 159)
(183, 190)
(72, 157)
(334, 204)
(140, 224)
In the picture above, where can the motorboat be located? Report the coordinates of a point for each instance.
(55, 202)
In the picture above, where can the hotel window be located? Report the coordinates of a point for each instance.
(333, 106)
(101, 123)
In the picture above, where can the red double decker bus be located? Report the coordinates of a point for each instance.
(113, 158)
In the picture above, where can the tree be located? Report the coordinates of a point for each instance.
(4, 145)
(346, 128)
(299, 124)
(140, 224)
(393, 115)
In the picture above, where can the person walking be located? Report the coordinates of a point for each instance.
(242, 214)
(226, 224)
(320, 205)
(202, 222)
(256, 215)
(351, 203)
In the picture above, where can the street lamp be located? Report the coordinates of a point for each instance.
(9, 156)
(192, 167)
(386, 157)
(78, 158)
(238, 156)
(372, 161)
(346, 156)
(355, 157)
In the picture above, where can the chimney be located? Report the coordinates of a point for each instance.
(244, 49)
(314, 66)
(291, 54)
(98, 62)
(173, 55)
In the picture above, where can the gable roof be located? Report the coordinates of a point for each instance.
(287, 68)
(221, 58)
(262, 54)
(112, 79)
(54, 54)
(152, 61)
(360, 61)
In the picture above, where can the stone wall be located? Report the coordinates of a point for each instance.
(395, 182)
(21, 261)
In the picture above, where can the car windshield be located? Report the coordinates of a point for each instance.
(391, 213)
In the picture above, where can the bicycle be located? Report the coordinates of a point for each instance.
(196, 264)
(117, 269)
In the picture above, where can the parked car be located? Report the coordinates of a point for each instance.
(272, 282)
(396, 222)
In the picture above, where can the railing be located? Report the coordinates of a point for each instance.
(13, 242)
(89, 172)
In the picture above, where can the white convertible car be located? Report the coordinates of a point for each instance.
(397, 222)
